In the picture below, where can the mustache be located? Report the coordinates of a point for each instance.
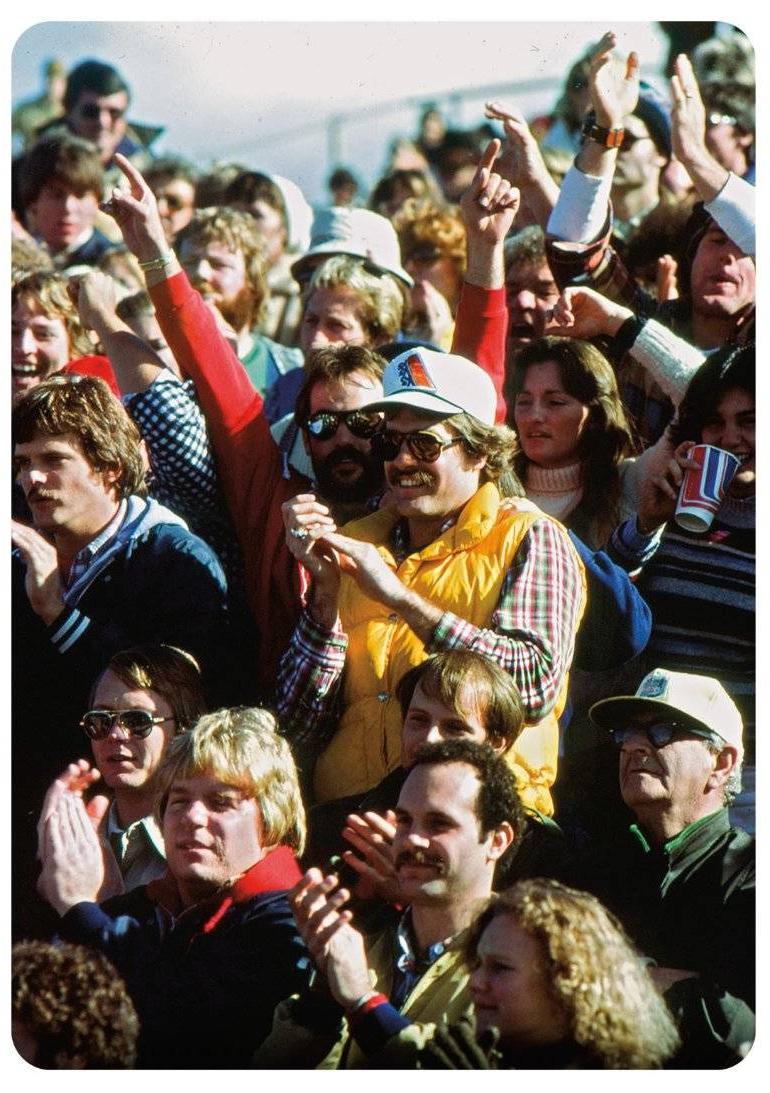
(36, 494)
(418, 857)
(345, 454)
(422, 478)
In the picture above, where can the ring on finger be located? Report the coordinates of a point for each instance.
(299, 533)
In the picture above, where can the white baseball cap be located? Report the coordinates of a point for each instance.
(438, 383)
(700, 702)
(360, 233)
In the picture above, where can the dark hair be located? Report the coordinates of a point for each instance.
(172, 673)
(64, 157)
(342, 176)
(587, 376)
(733, 100)
(498, 800)
(94, 76)
(87, 408)
(166, 168)
(723, 371)
(75, 1005)
(251, 186)
(445, 677)
(526, 247)
(332, 364)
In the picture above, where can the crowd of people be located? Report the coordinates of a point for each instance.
(419, 732)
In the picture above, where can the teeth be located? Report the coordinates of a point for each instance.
(24, 369)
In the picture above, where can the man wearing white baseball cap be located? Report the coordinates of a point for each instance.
(682, 879)
(444, 564)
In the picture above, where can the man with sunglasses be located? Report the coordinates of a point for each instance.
(444, 564)
(682, 879)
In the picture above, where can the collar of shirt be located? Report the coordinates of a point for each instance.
(145, 827)
(399, 537)
(84, 557)
(408, 959)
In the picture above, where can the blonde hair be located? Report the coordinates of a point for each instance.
(380, 299)
(242, 747)
(593, 973)
(497, 443)
(48, 290)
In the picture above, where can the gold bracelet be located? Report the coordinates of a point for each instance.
(158, 263)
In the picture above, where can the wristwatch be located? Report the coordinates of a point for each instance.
(608, 138)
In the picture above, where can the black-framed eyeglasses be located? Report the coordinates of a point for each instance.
(98, 724)
(658, 735)
(91, 111)
(423, 446)
(361, 423)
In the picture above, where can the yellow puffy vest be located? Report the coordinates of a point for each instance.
(461, 571)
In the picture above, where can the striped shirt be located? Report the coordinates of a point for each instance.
(531, 635)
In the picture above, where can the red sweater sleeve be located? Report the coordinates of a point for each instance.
(481, 326)
(248, 460)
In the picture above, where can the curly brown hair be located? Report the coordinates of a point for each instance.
(48, 290)
(73, 1004)
(592, 971)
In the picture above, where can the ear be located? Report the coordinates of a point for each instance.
(500, 839)
(724, 765)
(111, 477)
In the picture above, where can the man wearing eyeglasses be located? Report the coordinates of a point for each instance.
(682, 879)
(444, 564)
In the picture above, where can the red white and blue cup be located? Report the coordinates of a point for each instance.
(704, 487)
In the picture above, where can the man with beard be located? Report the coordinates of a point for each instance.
(222, 252)
(458, 815)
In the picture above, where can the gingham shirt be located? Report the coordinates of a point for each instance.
(184, 474)
(84, 557)
(531, 636)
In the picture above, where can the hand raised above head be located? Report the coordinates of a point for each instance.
(614, 84)
(137, 214)
(490, 203)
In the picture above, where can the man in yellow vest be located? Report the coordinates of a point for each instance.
(455, 558)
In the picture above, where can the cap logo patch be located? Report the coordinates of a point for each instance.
(653, 687)
(412, 373)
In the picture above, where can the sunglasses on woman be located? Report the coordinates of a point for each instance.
(324, 424)
(98, 724)
(423, 446)
(658, 735)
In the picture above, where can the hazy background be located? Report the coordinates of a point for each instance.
(263, 94)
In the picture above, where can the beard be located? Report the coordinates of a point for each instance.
(335, 488)
(239, 311)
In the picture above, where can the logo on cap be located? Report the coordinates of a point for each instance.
(654, 686)
(412, 373)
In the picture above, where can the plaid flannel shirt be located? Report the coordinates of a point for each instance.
(531, 635)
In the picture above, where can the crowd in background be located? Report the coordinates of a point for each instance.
(419, 723)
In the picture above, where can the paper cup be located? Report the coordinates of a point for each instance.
(703, 488)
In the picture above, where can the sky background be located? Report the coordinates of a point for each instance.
(261, 93)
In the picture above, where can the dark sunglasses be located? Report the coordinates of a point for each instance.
(424, 447)
(97, 724)
(658, 735)
(629, 140)
(90, 111)
(324, 424)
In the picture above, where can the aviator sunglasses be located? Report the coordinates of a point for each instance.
(98, 724)
(658, 735)
(324, 424)
(423, 446)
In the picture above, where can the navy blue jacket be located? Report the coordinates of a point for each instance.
(205, 982)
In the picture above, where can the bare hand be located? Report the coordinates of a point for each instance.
(137, 214)
(73, 864)
(42, 582)
(614, 84)
(433, 313)
(336, 947)
(76, 779)
(372, 836)
(660, 489)
(364, 563)
(521, 161)
(688, 114)
(96, 299)
(584, 313)
(667, 287)
(490, 203)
